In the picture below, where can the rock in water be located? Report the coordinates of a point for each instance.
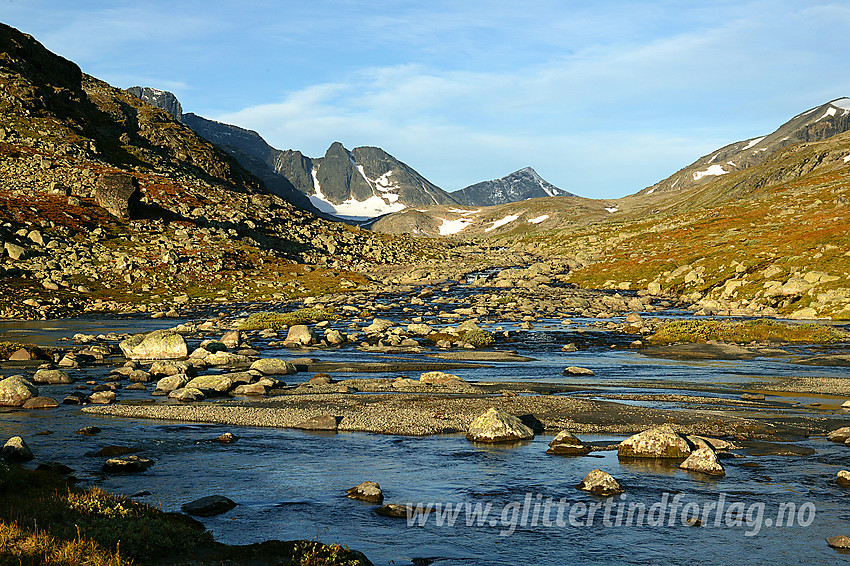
(15, 390)
(16, 450)
(659, 442)
(567, 444)
(118, 193)
(227, 438)
(496, 425)
(843, 478)
(41, 403)
(127, 464)
(438, 378)
(299, 335)
(209, 506)
(158, 345)
(705, 461)
(366, 491)
(839, 434)
(274, 366)
(839, 541)
(51, 376)
(601, 483)
(396, 511)
(574, 370)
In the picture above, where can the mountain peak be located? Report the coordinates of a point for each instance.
(522, 184)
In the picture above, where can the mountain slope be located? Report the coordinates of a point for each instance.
(108, 203)
(518, 186)
(816, 124)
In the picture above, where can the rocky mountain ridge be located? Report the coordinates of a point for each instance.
(520, 185)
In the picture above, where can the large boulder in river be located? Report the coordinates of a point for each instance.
(659, 442)
(274, 366)
(601, 483)
(705, 461)
(567, 444)
(299, 335)
(839, 435)
(157, 345)
(170, 383)
(16, 450)
(51, 376)
(366, 491)
(496, 425)
(843, 478)
(127, 464)
(15, 390)
(211, 384)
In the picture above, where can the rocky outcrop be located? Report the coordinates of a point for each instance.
(159, 98)
(659, 442)
(496, 425)
(16, 450)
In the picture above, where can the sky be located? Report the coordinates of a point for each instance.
(601, 97)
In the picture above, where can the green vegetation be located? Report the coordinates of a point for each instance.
(9, 348)
(44, 521)
(278, 320)
(478, 338)
(746, 331)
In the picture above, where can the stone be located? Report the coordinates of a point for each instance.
(705, 461)
(231, 339)
(208, 506)
(20, 355)
(438, 378)
(227, 438)
(163, 368)
(396, 511)
(600, 483)
(334, 337)
(187, 394)
(211, 384)
(659, 442)
(172, 382)
(102, 397)
(274, 366)
(16, 450)
(839, 541)
(321, 422)
(40, 403)
(157, 345)
(127, 464)
(495, 425)
(320, 379)
(366, 491)
(567, 444)
(839, 434)
(89, 431)
(573, 370)
(299, 335)
(15, 251)
(571, 347)
(250, 389)
(51, 376)
(119, 194)
(843, 478)
(752, 396)
(15, 390)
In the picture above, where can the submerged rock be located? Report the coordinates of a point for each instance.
(208, 506)
(659, 442)
(601, 483)
(366, 491)
(496, 425)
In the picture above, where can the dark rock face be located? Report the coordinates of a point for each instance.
(118, 193)
(159, 98)
(519, 185)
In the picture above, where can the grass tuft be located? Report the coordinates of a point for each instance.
(766, 330)
(279, 320)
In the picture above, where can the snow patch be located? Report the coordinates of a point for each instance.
(538, 219)
(676, 182)
(650, 191)
(612, 209)
(352, 208)
(464, 212)
(843, 103)
(449, 227)
(829, 112)
(732, 163)
(711, 171)
(713, 158)
(752, 143)
(847, 159)
(499, 223)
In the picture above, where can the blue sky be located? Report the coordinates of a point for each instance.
(601, 97)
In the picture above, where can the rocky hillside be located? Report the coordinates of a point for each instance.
(816, 124)
(109, 203)
(518, 186)
(254, 154)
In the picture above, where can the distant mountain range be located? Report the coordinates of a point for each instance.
(518, 186)
(363, 183)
